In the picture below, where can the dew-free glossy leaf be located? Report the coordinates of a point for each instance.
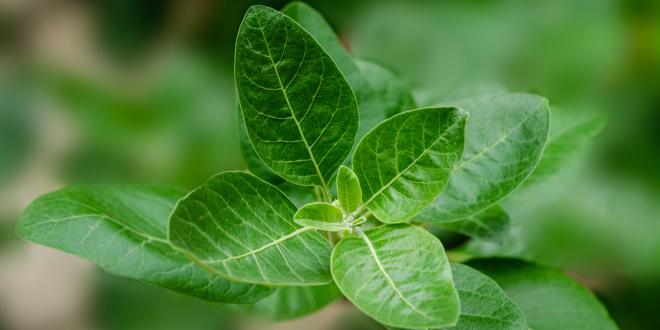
(322, 216)
(123, 229)
(548, 298)
(349, 192)
(251, 158)
(299, 111)
(240, 227)
(487, 224)
(289, 302)
(398, 275)
(504, 139)
(404, 162)
(379, 92)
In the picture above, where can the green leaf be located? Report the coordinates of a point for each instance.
(571, 134)
(504, 140)
(348, 189)
(240, 227)
(549, 299)
(406, 161)
(322, 216)
(398, 275)
(483, 303)
(252, 160)
(300, 113)
(380, 94)
(290, 302)
(123, 230)
(488, 224)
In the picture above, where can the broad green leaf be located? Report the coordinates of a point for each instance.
(380, 94)
(398, 275)
(252, 160)
(570, 136)
(549, 299)
(123, 230)
(504, 140)
(483, 303)
(240, 227)
(349, 192)
(322, 216)
(299, 111)
(289, 302)
(406, 161)
(488, 224)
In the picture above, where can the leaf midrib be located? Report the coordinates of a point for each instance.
(389, 280)
(396, 177)
(293, 114)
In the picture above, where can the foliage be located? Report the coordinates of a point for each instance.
(285, 241)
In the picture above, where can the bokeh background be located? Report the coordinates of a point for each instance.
(142, 91)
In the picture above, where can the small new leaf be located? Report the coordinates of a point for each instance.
(348, 190)
(399, 275)
(300, 113)
(404, 162)
(240, 227)
(321, 216)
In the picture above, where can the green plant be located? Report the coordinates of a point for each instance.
(239, 238)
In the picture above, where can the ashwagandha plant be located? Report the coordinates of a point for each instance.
(357, 228)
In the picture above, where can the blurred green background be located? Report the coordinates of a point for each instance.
(142, 91)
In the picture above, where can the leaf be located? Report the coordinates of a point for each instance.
(300, 113)
(488, 224)
(549, 299)
(123, 230)
(570, 136)
(321, 216)
(252, 160)
(380, 94)
(348, 189)
(293, 301)
(503, 143)
(483, 303)
(406, 161)
(240, 227)
(398, 275)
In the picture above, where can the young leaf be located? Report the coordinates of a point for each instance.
(398, 275)
(379, 93)
(300, 113)
(240, 227)
(548, 298)
(290, 302)
(406, 161)
(488, 224)
(123, 229)
(503, 143)
(348, 189)
(322, 216)
(483, 304)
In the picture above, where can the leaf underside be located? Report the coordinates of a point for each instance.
(240, 227)
(322, 216)
(488, 224)
(398, 275)
(123, 229)
(300, 113)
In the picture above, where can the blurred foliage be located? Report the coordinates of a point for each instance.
(131, 305)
